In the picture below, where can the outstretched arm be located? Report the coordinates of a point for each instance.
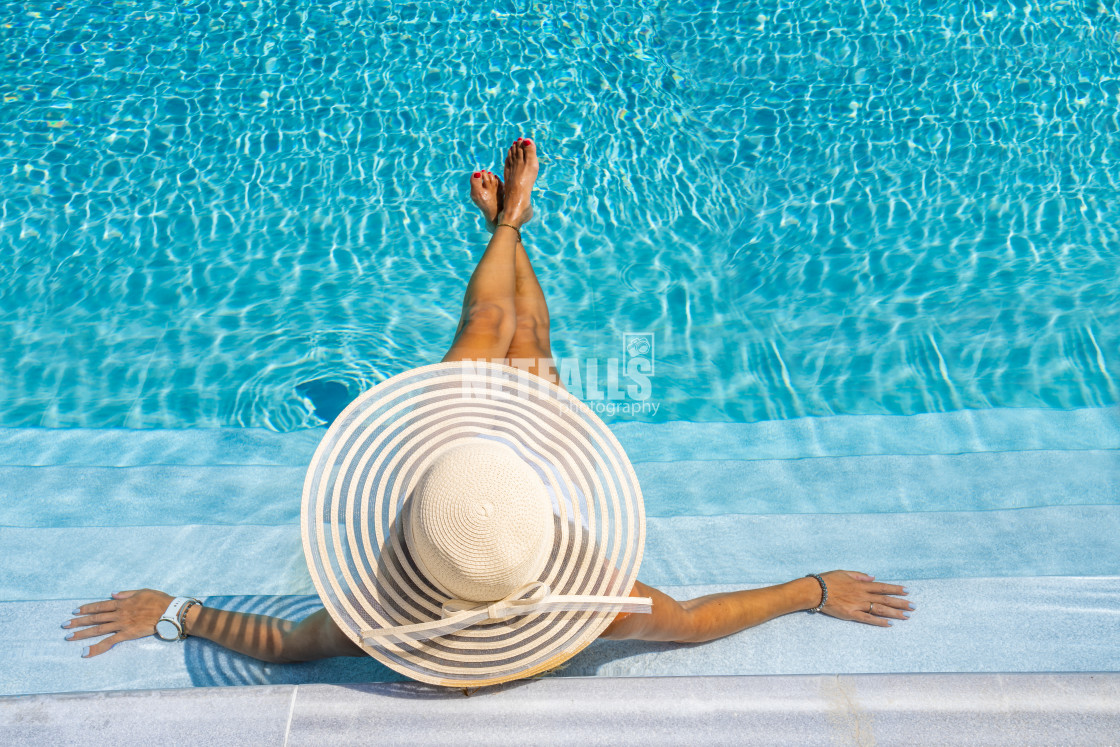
(133, 614)
(850, 596)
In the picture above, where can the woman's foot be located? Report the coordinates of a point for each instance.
(520, 174)
(486, 194)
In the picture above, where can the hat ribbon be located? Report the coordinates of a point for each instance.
(460, 613)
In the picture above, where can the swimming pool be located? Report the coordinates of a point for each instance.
(822, 210)
(872, 211)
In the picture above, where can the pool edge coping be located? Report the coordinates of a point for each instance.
(959, 708)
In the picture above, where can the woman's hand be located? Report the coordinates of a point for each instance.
(128, 615)
(856, 596)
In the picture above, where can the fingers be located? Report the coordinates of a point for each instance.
(878, 609)
(102, 646)
(875, 588)
(898, 604)
(123, 594)
(108, 605)
(93, 632)
(97, 619)
(887, 589)
(864, 617)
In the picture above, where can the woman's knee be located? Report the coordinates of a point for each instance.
(534, 325)
(531, 337)
(490, 319)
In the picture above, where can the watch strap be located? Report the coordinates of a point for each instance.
(175, 610)
(172, 611)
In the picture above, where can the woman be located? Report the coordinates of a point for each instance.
(504, 317)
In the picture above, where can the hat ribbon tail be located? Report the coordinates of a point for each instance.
(460, 613)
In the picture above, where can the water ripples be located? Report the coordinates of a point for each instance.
(835, 208)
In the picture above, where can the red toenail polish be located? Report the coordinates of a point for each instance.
(476, 175)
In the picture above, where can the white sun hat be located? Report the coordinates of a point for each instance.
(469, 523)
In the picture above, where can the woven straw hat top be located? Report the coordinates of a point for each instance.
(469, 523)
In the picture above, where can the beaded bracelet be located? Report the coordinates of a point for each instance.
(183, 615)
(824, 592)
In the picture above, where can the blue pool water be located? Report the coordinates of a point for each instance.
(874, 247)
(885, 207)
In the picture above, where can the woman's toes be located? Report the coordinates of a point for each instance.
(478, 187)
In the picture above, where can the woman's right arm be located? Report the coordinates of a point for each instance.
(133, 614)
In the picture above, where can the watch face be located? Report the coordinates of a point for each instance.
(167, 630)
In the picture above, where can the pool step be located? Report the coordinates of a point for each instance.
(1048, 624)
(965, 431)
(161, 495)
(680, 550)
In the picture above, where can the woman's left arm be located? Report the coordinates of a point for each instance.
(850, 596)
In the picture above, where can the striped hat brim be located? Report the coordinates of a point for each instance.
(371, 460)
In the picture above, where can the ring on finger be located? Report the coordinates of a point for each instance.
(870, 608)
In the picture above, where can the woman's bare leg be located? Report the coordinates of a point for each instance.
(531, 337)
(489, 318)
(530, 345)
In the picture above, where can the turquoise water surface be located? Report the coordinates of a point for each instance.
(837, 208)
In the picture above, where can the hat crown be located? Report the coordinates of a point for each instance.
(481, 521)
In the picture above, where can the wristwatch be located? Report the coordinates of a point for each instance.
(170, 625)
